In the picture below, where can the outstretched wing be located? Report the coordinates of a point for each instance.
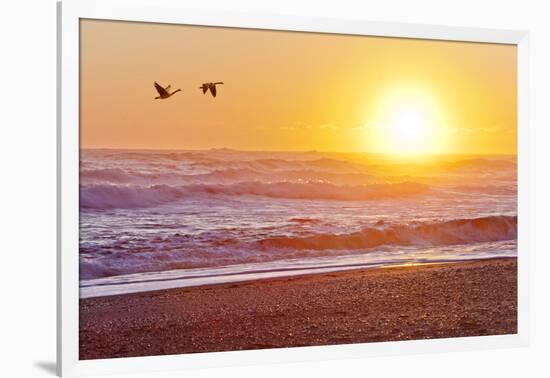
(167, 88)
(160, 90)
(213, 90)
(204, 88)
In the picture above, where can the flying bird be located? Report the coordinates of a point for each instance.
(164, 93)
(212, 86)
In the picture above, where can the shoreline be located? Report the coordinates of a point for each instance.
(354, 306)
(173, 281)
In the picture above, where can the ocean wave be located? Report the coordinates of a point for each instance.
(219, 159)
(229, 175)
(133, 196)
(457, 231)
(279, 165)
(502, 189)
(106, 175)
(481, 164)
(458, 238)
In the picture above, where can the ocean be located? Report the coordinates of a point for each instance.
(157, 219)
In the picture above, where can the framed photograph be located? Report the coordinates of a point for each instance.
(244, 188)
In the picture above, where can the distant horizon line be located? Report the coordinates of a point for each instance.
(302, 151)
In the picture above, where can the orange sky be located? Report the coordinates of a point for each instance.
(293, 91)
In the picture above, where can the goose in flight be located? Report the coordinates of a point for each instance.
(164, 92)
(212, 86)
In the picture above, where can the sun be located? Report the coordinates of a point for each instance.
(407, 121)
(408, 127)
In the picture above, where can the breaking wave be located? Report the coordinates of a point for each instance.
(230, 175)
(99, 196)
(457, 231)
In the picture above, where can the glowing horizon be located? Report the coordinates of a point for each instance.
(290, 91)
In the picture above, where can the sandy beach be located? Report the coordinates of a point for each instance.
(413, 302)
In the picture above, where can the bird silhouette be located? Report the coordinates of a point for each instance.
(164, 92)
(210, 86)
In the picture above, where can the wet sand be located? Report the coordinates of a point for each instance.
(414, 302)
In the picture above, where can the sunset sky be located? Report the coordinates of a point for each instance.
(294, 91)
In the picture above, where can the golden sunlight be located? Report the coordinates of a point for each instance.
(407, 121)
(408, 127)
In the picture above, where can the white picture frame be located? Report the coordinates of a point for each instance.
(170, 11)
